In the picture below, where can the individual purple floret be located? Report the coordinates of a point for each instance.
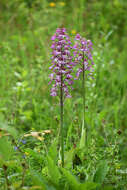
(62, 65)
(15, 148)
(23, 141)
(83, 55)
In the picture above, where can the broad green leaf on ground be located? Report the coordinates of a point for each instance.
(107, 188)
(69, 158)
(88, 186)
(53, 171)
(53, 151)
(83, 136)
(69, 135)
(5, 127)
(101, 172)
(71, 179)
(6, 149)
(37, 179)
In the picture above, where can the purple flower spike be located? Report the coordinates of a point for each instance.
(62, 64)
(83, 54)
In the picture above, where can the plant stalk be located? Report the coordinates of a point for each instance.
(23, 174)
(61, 121)
(84, 93)
(6, 178)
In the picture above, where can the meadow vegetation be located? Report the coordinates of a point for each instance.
(30, 156)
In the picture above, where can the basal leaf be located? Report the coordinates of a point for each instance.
(83, 137)
(101, 172)
(6, 149)
(37, 179)
(71, 179)
(53, 151)
(69, 158)
(88, 186)
(53, 171)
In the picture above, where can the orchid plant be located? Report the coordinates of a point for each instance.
(61, 77)
(62, 67)
(84, 62)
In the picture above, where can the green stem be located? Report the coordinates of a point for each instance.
(23, 174)
(6, 177)
(84, 92)
(61, 121)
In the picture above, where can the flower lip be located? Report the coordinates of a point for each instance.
(77, 37)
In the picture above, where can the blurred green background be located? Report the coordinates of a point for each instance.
(26, 27)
